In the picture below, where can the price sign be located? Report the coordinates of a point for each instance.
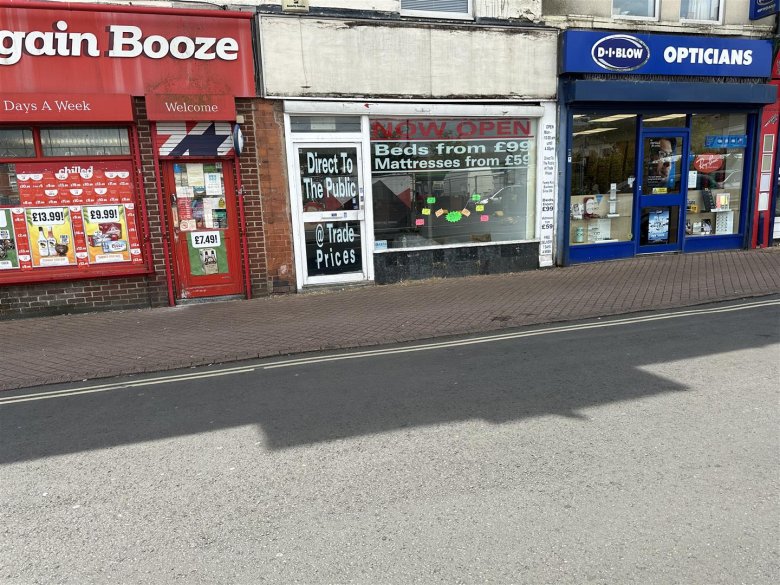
(50, 216)
(103, 213)
(205, 239)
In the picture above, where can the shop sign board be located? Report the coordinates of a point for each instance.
(650, 54)
(763, 8)
(190, 107)
(134, 52)
(65, 107)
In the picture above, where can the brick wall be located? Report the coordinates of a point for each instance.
(276, 221)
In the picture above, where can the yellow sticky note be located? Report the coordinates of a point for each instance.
(480, 208)
(426, 211)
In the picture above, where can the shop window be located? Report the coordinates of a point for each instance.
(16, 143)
(644, 9)
(64, 218)
(313, 124)
(602, 178)
(437, 8)
(701, 10)
(446, 181)
(84, 141)
(716, 171)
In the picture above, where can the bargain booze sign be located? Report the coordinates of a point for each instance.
(132, 51)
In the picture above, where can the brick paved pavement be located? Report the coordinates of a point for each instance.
(75, 347)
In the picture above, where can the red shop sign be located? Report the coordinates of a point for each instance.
(708, 163)
(65, 107)
(128, 51)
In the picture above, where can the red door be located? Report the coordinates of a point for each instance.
(204, 228)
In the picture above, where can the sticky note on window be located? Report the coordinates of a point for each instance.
(484, 218)
(430, 200)
(465, 212)
(440, 212)
(426, 211)
(419, 222)
(480, 208)
(476, 197)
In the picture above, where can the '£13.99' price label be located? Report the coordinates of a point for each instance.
(47, 216)
(103, 213)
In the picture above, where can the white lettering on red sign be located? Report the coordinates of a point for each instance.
(124, 42)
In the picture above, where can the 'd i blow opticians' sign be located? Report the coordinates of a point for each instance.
(624, 53)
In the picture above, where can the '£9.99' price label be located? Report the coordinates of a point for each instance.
(47, 216)
(102, 213)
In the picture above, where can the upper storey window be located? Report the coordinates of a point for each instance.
(637, 9)
(461, 9)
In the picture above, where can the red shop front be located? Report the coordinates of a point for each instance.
(122, 190)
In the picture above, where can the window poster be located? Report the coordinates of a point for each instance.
(207, 252)
(106, 232)
(658, 226)
(71, 215)
(9, 256)
(50, 235)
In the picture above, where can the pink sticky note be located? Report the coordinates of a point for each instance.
(484, 217)
(419, 222)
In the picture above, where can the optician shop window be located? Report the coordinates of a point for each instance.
(715, 174)
(68, 205)
(602, 178)
(449, 181)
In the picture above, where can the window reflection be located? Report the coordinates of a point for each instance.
(602, 178)
(85, 141)
(715, 174)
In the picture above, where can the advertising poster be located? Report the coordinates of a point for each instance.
(662, 161)
(207, 253)
(105, 228)
(9, 257)
(658, 226)
(50, 235)
(42, 184)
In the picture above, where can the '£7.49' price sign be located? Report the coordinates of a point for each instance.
(47, 216)
(205, 239)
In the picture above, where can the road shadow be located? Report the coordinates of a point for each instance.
(561, 374)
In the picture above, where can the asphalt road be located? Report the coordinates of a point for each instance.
(644, 451)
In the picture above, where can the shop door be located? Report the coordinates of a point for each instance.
(204, 228)
(331, 246)
(662, 190)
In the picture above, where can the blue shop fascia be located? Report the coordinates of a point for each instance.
(658, 142)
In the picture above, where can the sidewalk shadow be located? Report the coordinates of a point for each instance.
(560, 374)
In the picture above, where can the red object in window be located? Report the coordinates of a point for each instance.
(708, 163)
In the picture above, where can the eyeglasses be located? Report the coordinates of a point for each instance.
(665, 153)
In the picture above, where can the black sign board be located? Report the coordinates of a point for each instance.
(333, 248)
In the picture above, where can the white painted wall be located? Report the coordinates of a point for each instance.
(305, 57)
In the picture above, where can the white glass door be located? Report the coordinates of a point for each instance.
(330, 207)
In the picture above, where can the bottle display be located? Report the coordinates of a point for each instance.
(43, 243)
(51, 243)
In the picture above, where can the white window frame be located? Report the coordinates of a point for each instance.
(654, 18)
(468, 15)
(719, 20)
